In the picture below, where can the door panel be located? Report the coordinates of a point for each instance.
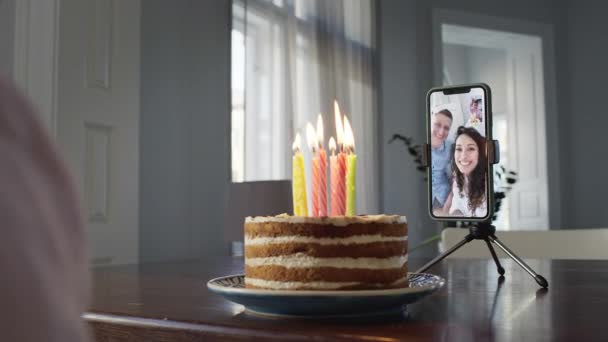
(528, 201)
(98, 119)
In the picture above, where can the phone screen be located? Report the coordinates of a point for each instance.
(459, 170)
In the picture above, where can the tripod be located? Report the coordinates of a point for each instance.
(485, 231)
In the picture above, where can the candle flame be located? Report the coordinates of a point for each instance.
(320, 132)
(311, 137)
(339, 127)
(349, 138)
(296, 144)
(332, 145)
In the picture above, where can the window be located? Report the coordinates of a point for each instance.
(259, 117)
(290, 60)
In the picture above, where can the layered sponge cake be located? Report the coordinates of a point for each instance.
(326, 253)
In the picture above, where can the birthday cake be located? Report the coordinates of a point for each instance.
(326, 253)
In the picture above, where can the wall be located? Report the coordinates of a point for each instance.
(585, 120)
(7, 33)
(184, 128)
(188, 206)
(402, 110)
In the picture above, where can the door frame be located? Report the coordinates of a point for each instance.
(36, 45)
(545, 31)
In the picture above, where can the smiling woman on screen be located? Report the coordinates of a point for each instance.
(469, 168)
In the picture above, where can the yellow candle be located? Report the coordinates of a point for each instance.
(351, 176)
(351, 168)
(298, 181)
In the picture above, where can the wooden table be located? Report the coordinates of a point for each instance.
(170, 302)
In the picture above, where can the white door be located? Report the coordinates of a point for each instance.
(518, 108)
(528, 201)
(98, 119)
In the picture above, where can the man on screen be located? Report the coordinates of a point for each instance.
(441, 148)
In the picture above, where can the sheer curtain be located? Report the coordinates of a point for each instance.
(290, 60)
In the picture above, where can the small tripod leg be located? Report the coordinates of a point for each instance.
(430, 264)
(539, 279)
(501, 270)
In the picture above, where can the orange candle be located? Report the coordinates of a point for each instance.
(322, 169)
(311, 136)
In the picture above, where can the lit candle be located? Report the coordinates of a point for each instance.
(338, 192)
(311, 137)
(298, 181)
(351, 169)
(322, 164)
(335, 180)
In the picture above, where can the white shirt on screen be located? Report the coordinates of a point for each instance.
(460, 204)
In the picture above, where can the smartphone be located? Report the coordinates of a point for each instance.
(459, 137)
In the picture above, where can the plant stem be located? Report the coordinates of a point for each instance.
(426, 242)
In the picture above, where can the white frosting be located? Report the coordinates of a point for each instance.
(357, 239)
(321, 285)
(300, 260)
(333, 220)
(285, 285)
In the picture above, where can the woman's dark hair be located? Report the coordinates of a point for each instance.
(446, 113)
(477, 178)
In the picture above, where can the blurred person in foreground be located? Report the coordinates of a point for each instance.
(44, 285)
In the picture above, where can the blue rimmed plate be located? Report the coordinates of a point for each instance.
(326, 303)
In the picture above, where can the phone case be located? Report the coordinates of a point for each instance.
(492, 150)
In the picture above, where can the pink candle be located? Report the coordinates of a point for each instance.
(315, 185)
(338, 188)
(311, 136)
(341, 186)
(337, 178)
(322, 165)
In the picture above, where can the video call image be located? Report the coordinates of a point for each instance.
(458, 154)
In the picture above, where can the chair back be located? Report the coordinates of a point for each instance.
(555, 244)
